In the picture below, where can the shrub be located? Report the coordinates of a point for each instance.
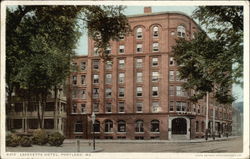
(56, 139)
(25, 141)
(40, 137)
(12, 140)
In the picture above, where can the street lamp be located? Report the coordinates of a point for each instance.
(93, 123)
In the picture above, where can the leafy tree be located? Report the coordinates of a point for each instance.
(213, 63)
(41, 42)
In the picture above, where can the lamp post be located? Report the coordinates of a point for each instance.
(93, 129)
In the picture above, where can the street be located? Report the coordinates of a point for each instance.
(230, 145)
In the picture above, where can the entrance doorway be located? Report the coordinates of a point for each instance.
(179, 126)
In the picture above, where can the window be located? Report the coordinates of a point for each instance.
(108, 93)
(171, 106)
(139, 77)
(121, 126)
(121, 64)
(95, 64)
(171, 75)
(32, 123)
(121, 77)
(17, 124)
(74, 108)
(155, 76)
(95, 79)
(180, 91)
(50, 106)
(139, 126)
(97, 126)
(139, 106)
(139, 48)
(139, 91)
(78, 126)
(108, 126)
(96, 51)
(32, 106)
(95, 92)
(139, 63)
(155, 47)
(74, 67)
(155, 91)
(83, 79)
(181, 106)
(197, 126)
(171, 91)
(121, 37)
(121, 108)
(155, 107)
(108, 78)
(171, 61)
(108, 65)
(155, 126)
(49, 123)
(108, 50)
(181, 31)
(108, 107)
(83, 108)
(121, 49)
(83, 66)
(121, 92)
(83, 94)
(74, 80)
(178, 76)
(139, 33)
(96, 107)
(155, 61)
(155, 31)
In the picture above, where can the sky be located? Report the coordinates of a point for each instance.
(132, 10)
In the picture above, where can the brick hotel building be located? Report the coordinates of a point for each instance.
(138, 94)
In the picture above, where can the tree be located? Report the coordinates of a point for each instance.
(213, 63)
(41, 42)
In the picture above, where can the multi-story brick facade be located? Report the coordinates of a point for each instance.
(138, 94)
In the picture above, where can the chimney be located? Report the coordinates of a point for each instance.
(147, 10)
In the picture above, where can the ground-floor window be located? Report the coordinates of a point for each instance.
(197, 126)
(108, 137)
(17, 123)
(139, 126)
(49, 123)
(97, 126)
(108, 126)
(32, 123)
(121, 137)
(155, 126)
(78, 126)
(155, 137)
(121, 126)
(179, 126)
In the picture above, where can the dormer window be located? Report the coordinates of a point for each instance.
(139, 33)
(181, 32)
(155, 32)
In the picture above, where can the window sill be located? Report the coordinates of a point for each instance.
(108, 132)
(78, 132)
(139, 132)
(155, 132)
(121, 132)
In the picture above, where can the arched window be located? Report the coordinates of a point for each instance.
(78, 126)
(108, 126)
(139, 126)
(155, 126)
(155, 31)
(181, 32)
(97, 126)
(139, 33)
(121, 126)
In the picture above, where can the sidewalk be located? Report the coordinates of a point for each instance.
(68, 141)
